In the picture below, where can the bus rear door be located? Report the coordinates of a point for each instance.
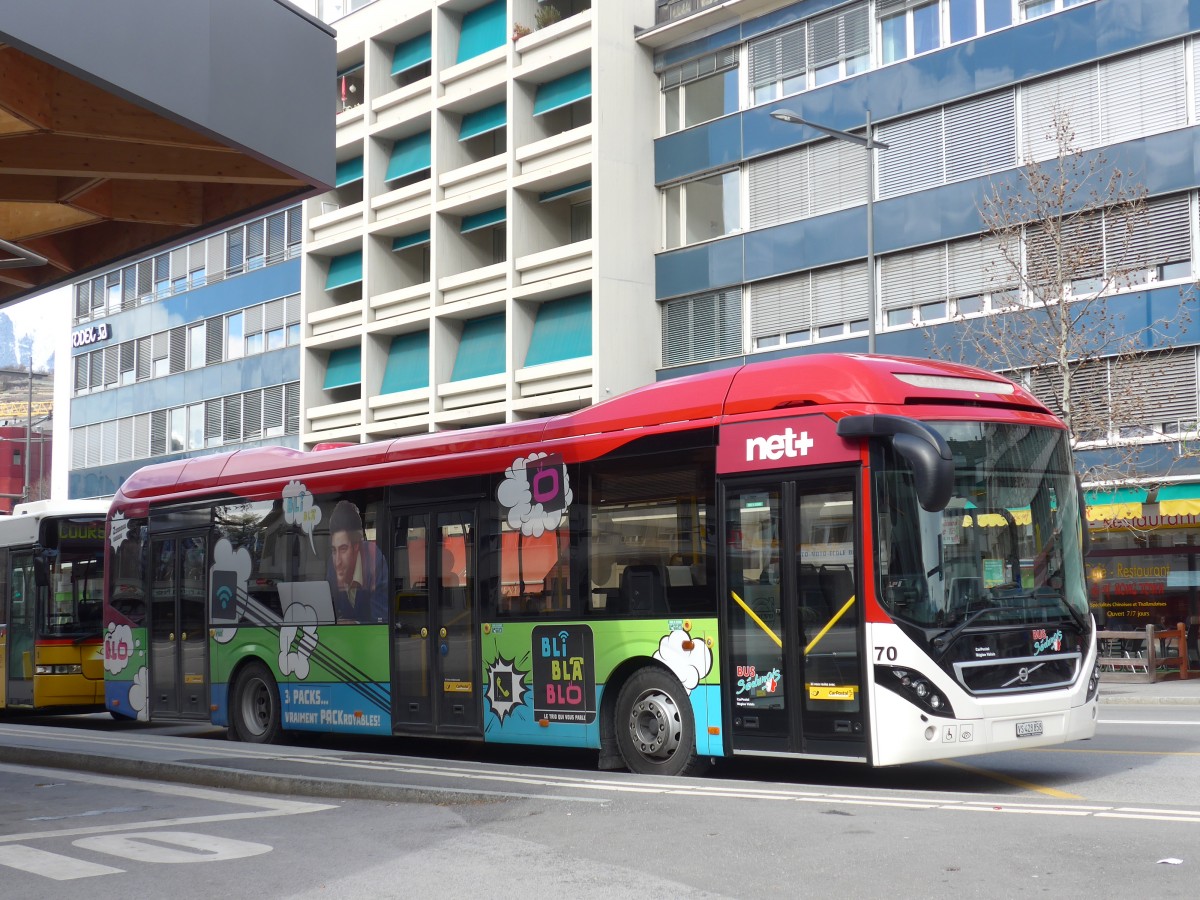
(435, 649)
(178, 637)
(20, 602)
(795, 626)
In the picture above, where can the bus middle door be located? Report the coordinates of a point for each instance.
(435, 643)
(178, 636)
(795, 626)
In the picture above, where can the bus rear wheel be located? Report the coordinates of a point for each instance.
(254, 713)
(656, 731)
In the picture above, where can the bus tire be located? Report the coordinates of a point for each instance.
(656, 731)
(254, 714)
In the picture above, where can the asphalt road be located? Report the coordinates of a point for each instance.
(453, 820)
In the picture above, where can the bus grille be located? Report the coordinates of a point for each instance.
(1026, 673)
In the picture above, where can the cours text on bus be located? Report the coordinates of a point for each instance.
(51, 597)
(858, 558)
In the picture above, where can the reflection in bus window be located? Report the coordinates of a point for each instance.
(652, 532)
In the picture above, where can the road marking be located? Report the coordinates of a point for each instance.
(51, 865)
(1142, 722)
(261, 807)
(1009, 779)
(182, 847)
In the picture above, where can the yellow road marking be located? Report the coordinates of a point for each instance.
(1015, 782)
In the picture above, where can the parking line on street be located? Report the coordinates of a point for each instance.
(1015, 782)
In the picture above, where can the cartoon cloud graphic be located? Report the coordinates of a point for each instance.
(535, 508)
(689, 666)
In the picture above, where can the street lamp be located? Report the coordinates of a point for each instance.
(870, 144)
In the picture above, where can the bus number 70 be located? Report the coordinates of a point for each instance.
(888, 653)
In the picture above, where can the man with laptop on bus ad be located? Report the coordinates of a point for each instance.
(358, 576)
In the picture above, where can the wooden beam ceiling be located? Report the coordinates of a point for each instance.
(87, 177)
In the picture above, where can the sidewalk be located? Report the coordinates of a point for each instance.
(1168, 691)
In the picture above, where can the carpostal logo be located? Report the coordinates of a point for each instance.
(777, 446)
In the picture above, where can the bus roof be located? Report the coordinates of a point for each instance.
(819, 380)
(22, 527)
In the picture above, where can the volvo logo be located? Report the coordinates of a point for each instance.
(1022, 675)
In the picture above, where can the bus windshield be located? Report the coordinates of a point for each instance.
(1006, 549)
(76, 594)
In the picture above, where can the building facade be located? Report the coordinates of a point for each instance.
(540, 204)
(487, 254)
(763, 249)
(192, 350)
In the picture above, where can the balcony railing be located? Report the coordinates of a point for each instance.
(671, 10)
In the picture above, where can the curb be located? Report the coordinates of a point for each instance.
(242, 779)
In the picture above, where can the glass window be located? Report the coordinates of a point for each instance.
(899, 316)
(652, 528)
(178, 425)
(254, 343)
(293, 333)
(996, 14)
(829, 331)
(927, 34)
(966, 306)
(196, 346)
(708, 208)
(798, 337)
(894, 31)
(927, 312)
(1172, 271)
(235, 338)
(770, 341)
(710, 98)
(195, 424)
(275, 339)
(962, 19)
(1035, 8)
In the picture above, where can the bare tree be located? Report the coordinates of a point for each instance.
(1060, 239)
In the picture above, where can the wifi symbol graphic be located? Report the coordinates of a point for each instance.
(225, 594)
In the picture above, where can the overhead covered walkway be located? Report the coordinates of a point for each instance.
(129, 125)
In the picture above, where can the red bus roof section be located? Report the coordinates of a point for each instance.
(819, 380)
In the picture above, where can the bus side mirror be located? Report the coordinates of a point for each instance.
(926, 452)
(1085, 534)
(41, 573)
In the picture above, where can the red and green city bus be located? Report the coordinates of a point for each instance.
(51, 600)
(856, 558)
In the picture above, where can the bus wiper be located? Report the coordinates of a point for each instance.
(946, 638)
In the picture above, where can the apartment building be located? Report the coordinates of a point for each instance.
(763, 247)
(192, 350)
(487, 253)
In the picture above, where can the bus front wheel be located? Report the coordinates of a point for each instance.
(254, 716)
(656, 731)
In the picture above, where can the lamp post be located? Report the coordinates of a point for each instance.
(869, 144)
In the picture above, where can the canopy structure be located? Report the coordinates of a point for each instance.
(122, 131)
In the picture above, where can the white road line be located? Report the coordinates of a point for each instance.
(51, 865)
(1143, 722)
(261, 807)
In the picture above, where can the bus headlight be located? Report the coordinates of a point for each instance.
(71, 669)
(1093, 682)
(914, 687)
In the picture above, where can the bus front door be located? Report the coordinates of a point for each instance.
(178, 637)
(794, 655)
(435, 649)
(21, 631)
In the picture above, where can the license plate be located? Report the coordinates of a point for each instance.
(1029, 729)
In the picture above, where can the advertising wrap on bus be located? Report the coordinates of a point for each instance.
(685, 572)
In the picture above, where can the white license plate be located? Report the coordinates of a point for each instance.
(1029, 729)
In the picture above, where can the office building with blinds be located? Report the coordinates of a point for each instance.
(487, 253)
(192, 350)
(763, 244)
